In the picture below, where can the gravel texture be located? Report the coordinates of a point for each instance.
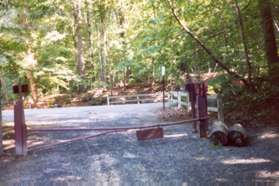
(180, 158)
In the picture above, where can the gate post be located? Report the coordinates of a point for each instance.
(19, 120)
(191, 88)
(202, 109)
(20, 129)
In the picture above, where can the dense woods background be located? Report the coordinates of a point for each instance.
(77, 46)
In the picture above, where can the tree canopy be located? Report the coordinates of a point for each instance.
(73, 46)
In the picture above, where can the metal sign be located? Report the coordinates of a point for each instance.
(148, 134)
(18, 89)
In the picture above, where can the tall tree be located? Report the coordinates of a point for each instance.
(244, 41)
(210, 53)
(271, 50)
(89, 9)
(103, 40)
(77, 4)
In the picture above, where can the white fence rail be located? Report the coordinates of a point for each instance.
(176, 97)
(138, 98)
(181, 98)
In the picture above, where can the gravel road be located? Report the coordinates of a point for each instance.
(180, 158)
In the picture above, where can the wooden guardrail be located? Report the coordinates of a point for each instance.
(181, 98)
(137, 98)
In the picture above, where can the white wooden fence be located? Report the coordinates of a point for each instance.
(176, 97)
(138, 98)
(181, 98)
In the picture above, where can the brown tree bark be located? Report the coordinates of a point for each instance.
(78, 37)
(3, 88)
(271, 50)
(122, 19)
(89, 31)
(244, 41)
(33, 87)
(103, 50)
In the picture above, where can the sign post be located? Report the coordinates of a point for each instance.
(163, 73)
(19, 119)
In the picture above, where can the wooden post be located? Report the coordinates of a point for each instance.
(1, 131)
(202, 109)
(20, 128)
(191, 88)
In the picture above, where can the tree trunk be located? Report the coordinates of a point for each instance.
(3, 88)
(89, 31)
(78, 38)
(103, 51)
(209, 52)
(33, 87)
(269, 40)
(244, 41)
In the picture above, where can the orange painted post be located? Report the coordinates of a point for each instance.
(20, 129)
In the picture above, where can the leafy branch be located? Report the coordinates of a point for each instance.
(214, 58)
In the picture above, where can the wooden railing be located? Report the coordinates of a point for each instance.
(181, 99)
(137, 98)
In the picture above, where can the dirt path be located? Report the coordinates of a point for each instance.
(117, 159)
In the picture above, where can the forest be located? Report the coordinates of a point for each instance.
(77, 46)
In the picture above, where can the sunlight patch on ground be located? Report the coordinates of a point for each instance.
(201, 158)
(245, 161)
(269, 135)
(267, 174)
(68, 178)
(175, 135)
(222, 180)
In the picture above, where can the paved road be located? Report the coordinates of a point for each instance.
(181, 158)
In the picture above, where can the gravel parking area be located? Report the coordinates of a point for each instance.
(180, 158)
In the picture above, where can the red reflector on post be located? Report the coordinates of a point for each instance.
(150, 134)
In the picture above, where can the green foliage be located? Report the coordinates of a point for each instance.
(139, 37)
